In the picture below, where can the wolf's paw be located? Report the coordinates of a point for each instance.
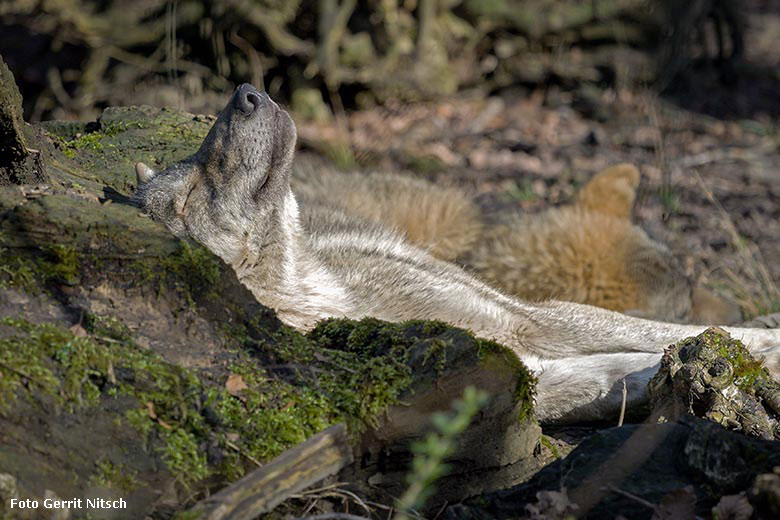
(770, 353)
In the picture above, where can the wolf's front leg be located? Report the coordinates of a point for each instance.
(584, 353)
(562, 330)
(590, 388)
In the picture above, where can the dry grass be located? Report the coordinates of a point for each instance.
(752, 285)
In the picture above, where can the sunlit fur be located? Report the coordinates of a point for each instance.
(309, 262)
(586, 252)
(442, 220)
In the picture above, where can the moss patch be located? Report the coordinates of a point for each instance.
(178, 410)
(106, 150)
(525, 387)
(55, 263)
(191, 271)
(747, 369)
(114, 476)
(292, 387)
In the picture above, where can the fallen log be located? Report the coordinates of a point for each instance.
(294, 470)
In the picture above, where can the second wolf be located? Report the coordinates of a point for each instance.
(588, 251)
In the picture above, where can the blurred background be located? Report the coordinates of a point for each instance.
(74, 57)
(517, 100)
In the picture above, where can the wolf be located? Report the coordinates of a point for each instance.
(588, 251)
(312, 262)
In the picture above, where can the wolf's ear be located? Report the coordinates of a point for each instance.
(143, 173)
(611, 191)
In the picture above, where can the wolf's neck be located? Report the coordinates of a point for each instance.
(283, 273)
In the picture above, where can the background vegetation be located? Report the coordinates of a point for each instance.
(75, 56)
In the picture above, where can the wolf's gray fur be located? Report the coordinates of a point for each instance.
(314, 262)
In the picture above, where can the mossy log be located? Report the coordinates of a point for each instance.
(714, 376)
(135, 364)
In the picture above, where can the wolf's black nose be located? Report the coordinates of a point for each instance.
(248, 99)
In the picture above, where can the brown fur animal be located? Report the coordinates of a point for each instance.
(590, 252)
(442, 220)
(587, 252)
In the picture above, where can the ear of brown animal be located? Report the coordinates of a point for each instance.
(709, 308)
(611, 191)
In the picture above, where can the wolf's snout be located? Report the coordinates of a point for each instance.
(248, 99)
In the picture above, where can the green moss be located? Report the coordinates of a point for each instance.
(31, 271)
(294, 385)
(66, 367)
(183, 456)
(115, 476)
(23, 363)
(550, 446)
(77, 373)
(106, 326)
(525, 386)
(122, 136)
(15, 273)
(747, 369)
(192, 272)
(269, 416)
(438, 353)
(65, 264)
(359, 366)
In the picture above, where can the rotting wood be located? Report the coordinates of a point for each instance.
(294, 470)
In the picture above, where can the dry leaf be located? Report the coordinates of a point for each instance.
(78, 331)
(164, 424)
(235, 384)
(150, 410)
(733, 507)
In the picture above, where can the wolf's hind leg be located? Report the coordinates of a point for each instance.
(590, 388)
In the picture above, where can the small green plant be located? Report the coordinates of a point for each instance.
(670, 200)
(428, 464)
(114, 476)
(522, 191)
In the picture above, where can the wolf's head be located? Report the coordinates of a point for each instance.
(234, 185)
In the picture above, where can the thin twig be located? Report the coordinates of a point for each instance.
(333, 490)
(633, 497)
(231, 444)
(623, 404)
(333, 516)
(21, 374)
